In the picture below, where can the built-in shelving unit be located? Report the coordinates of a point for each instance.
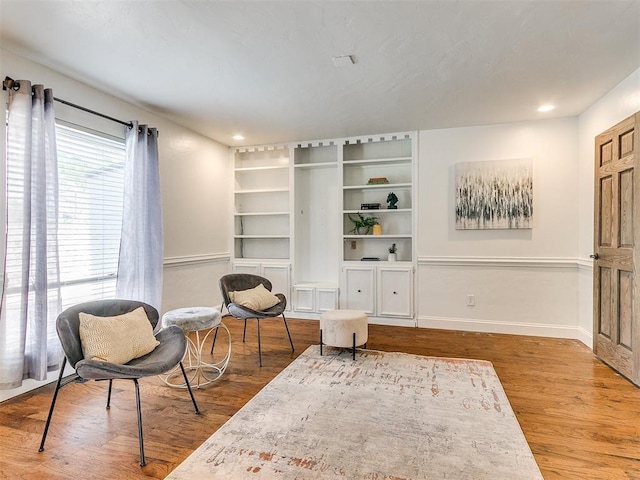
(382, 157)
(316, 229)
(292, 205)
(261, 200)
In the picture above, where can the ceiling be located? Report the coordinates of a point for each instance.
(264, 69)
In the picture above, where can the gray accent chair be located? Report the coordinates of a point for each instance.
(243, 281)
(163, 358)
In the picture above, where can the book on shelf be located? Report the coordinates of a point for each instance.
(369, 206)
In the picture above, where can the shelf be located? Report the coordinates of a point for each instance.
(315, 165)
(262, 190)
(382, 261)
(378, 161)
(377, 186)
(378, 210)
(367, 237)
(258, 214)
(255, 169)
(262, 236)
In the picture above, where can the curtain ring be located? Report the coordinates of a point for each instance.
(10, 84)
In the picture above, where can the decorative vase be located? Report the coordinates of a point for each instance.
(393, 257)
(363, 230)
(377, 229)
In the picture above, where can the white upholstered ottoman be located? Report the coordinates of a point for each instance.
(197, 319)
(344, 329)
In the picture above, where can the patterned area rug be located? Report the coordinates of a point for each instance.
(382, 416)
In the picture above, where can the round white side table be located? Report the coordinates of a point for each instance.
(202, 322)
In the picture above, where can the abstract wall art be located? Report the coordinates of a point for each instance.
(495, 194)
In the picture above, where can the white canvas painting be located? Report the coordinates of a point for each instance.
(494, 194)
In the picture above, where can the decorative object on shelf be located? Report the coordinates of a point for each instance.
(494, 194)
(393, 256)
(377, 181)
(376, 229)
(369, 206)
(392, 200)
(362, 225)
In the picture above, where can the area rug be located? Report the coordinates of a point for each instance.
(380, 416)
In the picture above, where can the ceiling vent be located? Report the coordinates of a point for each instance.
(343, 60)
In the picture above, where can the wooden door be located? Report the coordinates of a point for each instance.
(617, 239)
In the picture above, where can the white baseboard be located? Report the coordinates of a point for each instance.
(395, 322)
(30, 384)
(585, 337)
(513, 328)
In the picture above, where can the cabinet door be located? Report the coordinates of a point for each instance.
(304, 299)
(326, 299)
(252, 268)
(359, 283)
(395, 298)
(278, 275)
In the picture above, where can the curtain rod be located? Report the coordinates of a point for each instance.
(10, 82)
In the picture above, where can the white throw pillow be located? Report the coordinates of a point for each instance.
(258, 298)
(116, 339)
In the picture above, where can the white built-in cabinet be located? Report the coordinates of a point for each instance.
(292, 208)
(380, 291)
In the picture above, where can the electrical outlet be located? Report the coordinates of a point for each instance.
(353, 244)
(471, 300)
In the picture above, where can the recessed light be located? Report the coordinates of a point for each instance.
(238, 137)
(546, 108)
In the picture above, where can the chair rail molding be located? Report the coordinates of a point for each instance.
(514, 262)
(183, 260)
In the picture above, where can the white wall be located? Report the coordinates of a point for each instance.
(620, 103)
(194, 175)
(524, 281)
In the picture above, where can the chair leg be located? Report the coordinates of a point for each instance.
(259, 347)
(140, 439)
(53, 404)
(109, 394)
(186, 380)
(289, 334)
(244, 332)
(354, 345)
(215, 335)
(320, 342)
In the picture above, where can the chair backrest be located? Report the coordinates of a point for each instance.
(68, 322)
(235, 282)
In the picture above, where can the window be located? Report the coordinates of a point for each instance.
(91, 183)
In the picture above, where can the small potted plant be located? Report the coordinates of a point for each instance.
(362, 225)
(393, 256)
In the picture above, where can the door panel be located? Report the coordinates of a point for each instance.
(625, 304)
(616, 297)
(605, 302)
(606, 189)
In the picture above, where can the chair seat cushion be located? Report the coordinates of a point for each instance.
(117, 339)
(162, 359)
(258, 298)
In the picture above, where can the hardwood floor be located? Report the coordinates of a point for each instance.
(581, 419)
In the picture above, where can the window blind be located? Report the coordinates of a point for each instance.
(91, 183)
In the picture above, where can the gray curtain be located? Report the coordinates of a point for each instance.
(30, 300)
(140, 263)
